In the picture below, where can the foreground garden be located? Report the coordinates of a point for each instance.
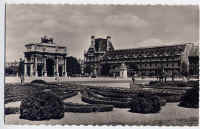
(171, 103)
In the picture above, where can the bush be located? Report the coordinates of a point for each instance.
(39, 82)
(191, 98)
(43, 105)
(144, 104)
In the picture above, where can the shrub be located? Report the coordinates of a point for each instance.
(145, 104)
(39, 82)
(191, 98)
(42, 106)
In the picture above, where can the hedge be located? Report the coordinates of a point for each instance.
(17, 92)
(92, 100)
(165, 95)
(100, 95)
(83, 108)
(39, 82)
(11, 110)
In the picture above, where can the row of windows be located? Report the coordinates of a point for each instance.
(157, 65)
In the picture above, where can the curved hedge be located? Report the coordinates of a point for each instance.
(83, 108)
(92, 100)
(18, 93)
(39, 81)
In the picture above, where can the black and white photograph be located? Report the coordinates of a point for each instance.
(134, 65)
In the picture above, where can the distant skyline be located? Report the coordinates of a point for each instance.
(73, 25)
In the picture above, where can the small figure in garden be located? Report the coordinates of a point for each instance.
(165, 76)
(133, 81)
(133, 78)
(173, 75)
(21, 70)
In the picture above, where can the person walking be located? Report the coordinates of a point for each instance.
(133, 81)
(21, 71)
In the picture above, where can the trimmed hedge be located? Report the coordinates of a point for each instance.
(11, 110)
(174, 83)
(18, 93)
(100, 95)
(190, 98)
(92, 100)
(164, 94)
(39, 81)
(144, 104)
(83, 108)
(42, 106)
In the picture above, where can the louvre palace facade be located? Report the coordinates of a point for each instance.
(102, 59)
(45, 59)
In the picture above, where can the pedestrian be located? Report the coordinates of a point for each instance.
(133, 78)
(21, 71)
(133, 81)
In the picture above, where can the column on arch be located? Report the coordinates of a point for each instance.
(31, 69)
(25, 67)
(57, 66)
(44, 66)
(65, 66)
(35, 67)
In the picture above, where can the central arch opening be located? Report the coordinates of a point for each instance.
(50, 67)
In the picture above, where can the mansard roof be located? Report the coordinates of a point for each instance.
(156, 51)
(101, 44)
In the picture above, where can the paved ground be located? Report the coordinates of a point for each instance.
(73, 79)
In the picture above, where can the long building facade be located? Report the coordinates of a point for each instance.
(144, 61)
(45, 59)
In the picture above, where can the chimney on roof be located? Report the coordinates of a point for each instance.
(108, 43)
(51, 40)
(92, 41)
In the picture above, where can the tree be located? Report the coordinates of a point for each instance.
(73, 66)
(88, 69)
(185, 70)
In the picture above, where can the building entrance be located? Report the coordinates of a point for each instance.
(50, 67)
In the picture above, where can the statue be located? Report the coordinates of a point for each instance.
(46, 40)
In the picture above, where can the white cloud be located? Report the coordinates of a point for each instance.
(150, 42)
(124, 20)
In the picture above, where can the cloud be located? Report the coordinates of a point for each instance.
(125, 20)
(150, 42)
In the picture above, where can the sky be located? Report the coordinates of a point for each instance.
(130, 26)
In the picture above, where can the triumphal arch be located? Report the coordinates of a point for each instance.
(45, 58)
